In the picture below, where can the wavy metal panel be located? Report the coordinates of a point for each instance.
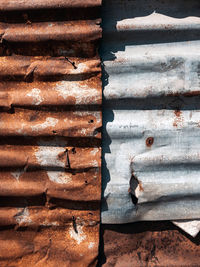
(151, 77)
(148, 244)
(151, 143)
(50, 151)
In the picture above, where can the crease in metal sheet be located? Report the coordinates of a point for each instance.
(150, 55)
(50, 129)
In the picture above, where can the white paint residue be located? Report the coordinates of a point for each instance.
(83, 131)
(21, 131)
(97, 115)
(82, 93)
(50, 122)
(82, 67)
(23, 216)
(79, 236)
(59, 177)
(35, 94)
(48, 156)
(91, 245)
(46, 223)
(83, 113)
(94, 163)
(94, 151)
(17, 174)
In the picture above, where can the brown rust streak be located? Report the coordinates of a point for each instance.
(178, 118)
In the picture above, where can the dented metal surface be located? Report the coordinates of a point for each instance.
(151, 145)
(50, 145)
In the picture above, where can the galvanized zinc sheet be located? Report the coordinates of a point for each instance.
(151, 143)
(50, 150)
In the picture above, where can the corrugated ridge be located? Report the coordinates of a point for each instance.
(37, 4)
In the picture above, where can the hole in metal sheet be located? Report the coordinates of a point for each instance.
(135, 189)
(149, 141)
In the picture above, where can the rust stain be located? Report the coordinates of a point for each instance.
(140, 187)
(149, 141)
(147, 244)
(50, 145)
(178, 118)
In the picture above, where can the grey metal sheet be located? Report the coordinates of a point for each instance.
(151, 128)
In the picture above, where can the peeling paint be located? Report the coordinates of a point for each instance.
(79, 237)
(17, 174)
(50, 122)
(35, 94)
(91, 245)
(59, 177)
(80, 92)
(23, 216)
(94, 151)
(49, 156)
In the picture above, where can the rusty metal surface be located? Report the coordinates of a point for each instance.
(149, 244)
(50, 139)
(150, 51)
(37, 4)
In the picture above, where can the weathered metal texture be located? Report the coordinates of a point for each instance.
(145, 244)
(151, 53)
(50, 139)
(38, 4)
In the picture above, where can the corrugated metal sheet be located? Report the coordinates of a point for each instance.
(151, 143)
(148, 244)
(50, 151)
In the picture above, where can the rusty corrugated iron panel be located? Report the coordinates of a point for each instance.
(50, 145)
(148, 244)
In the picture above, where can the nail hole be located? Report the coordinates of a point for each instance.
(86, 182)
(91, 121)
(73, 150)
(149, 141)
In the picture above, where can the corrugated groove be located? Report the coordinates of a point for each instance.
(50, 129)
